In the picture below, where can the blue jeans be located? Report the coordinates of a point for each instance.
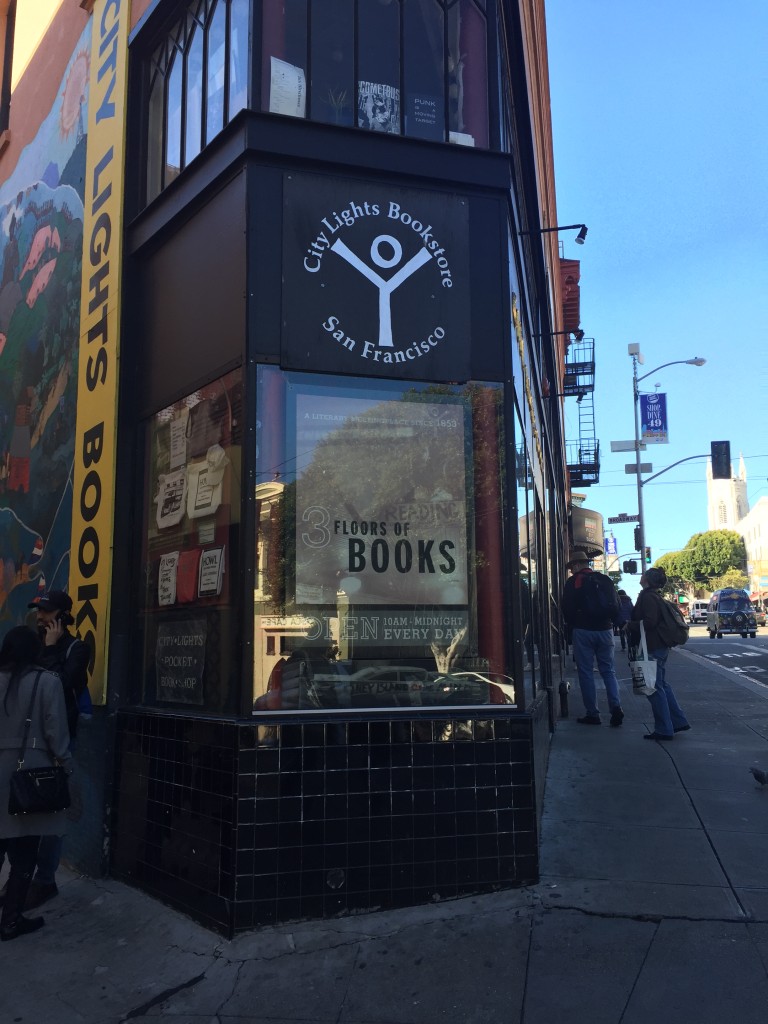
(589, 644)
(667, 713)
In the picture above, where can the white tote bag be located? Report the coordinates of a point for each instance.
(643, 669)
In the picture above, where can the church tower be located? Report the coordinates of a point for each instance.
(727, 501)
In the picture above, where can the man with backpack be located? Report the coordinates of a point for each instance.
(590, 608)
(664, 628)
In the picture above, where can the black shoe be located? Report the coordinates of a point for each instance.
(682, 728)
(40, 893)
(21, 926)
(657, 736)
(588, 720)
(617, 717)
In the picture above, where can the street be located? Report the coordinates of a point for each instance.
(746, 658)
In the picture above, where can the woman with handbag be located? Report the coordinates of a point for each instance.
(668, 716)
(33, 730)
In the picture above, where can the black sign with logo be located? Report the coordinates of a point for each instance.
(375, 280)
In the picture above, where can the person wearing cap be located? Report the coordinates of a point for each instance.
(68, 657)
(591, 631)
(668, 717)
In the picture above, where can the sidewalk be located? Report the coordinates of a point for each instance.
(652, 907)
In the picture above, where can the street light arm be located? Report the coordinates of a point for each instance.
(675, 362)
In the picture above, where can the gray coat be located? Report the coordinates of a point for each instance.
(48, 740)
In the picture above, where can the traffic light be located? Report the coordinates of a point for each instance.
(637, 538)
(647, 556)
(629, 567)
(721, 460)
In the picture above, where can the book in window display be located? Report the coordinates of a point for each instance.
(378, 107)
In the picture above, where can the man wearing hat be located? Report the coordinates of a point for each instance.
(590, 608)
(68, 657)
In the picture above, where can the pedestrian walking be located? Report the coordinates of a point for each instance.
(68, 657)
(47, 743)
(668, 716)
(590, 608)
(626, 608)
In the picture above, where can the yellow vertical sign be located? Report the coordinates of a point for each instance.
(93, 500)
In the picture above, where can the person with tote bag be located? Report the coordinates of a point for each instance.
(27, 693)
(668, 716)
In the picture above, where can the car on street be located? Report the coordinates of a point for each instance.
(698, 612)
(759, 614)
(731, 611)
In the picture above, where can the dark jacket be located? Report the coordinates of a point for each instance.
(648, 611)
(48, 740)
(68, 658)
(626, 607)
(575, 615)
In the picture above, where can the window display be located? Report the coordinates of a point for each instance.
(372, 566)
(192, 537)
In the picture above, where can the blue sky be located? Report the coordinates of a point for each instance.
(660, 124)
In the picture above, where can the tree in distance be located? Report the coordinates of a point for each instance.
(709, 561)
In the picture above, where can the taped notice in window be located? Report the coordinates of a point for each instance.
(166, 581)
(204, 483)
(288, 89)
(171, 492)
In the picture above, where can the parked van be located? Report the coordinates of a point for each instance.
(731, 611)
(699, 611)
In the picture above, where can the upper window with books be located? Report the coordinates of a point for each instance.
(404, 67)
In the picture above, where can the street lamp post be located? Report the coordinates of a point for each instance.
(634, 351)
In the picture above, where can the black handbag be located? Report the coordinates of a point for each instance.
(37, 790)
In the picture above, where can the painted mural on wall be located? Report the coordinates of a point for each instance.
(41, 237)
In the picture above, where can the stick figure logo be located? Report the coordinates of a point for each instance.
(385, 287)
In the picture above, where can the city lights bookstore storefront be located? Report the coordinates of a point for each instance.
(342, 703)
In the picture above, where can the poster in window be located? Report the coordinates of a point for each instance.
(180, 660)
(378, 107)
(425, 116)
(380, 501)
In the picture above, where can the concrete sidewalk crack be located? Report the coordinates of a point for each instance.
(139, 1011)
(648, 918)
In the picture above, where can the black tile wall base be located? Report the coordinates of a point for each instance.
(240, 824)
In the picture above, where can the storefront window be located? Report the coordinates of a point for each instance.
(379, 511)
(197, 82)
(413, 67)
(191, 554)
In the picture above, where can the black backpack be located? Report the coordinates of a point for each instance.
(671, 627)
(597, 598)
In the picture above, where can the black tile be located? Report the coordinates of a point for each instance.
(291, 736)
(336, 782)
(357, 733)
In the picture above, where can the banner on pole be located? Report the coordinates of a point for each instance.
(653, 418)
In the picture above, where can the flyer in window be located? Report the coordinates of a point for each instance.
(288, 89)
(166, 581)
(178, 429)
(204, 484)
(378, 107)
(171, 492)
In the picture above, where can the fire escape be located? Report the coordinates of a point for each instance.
(583, 455)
